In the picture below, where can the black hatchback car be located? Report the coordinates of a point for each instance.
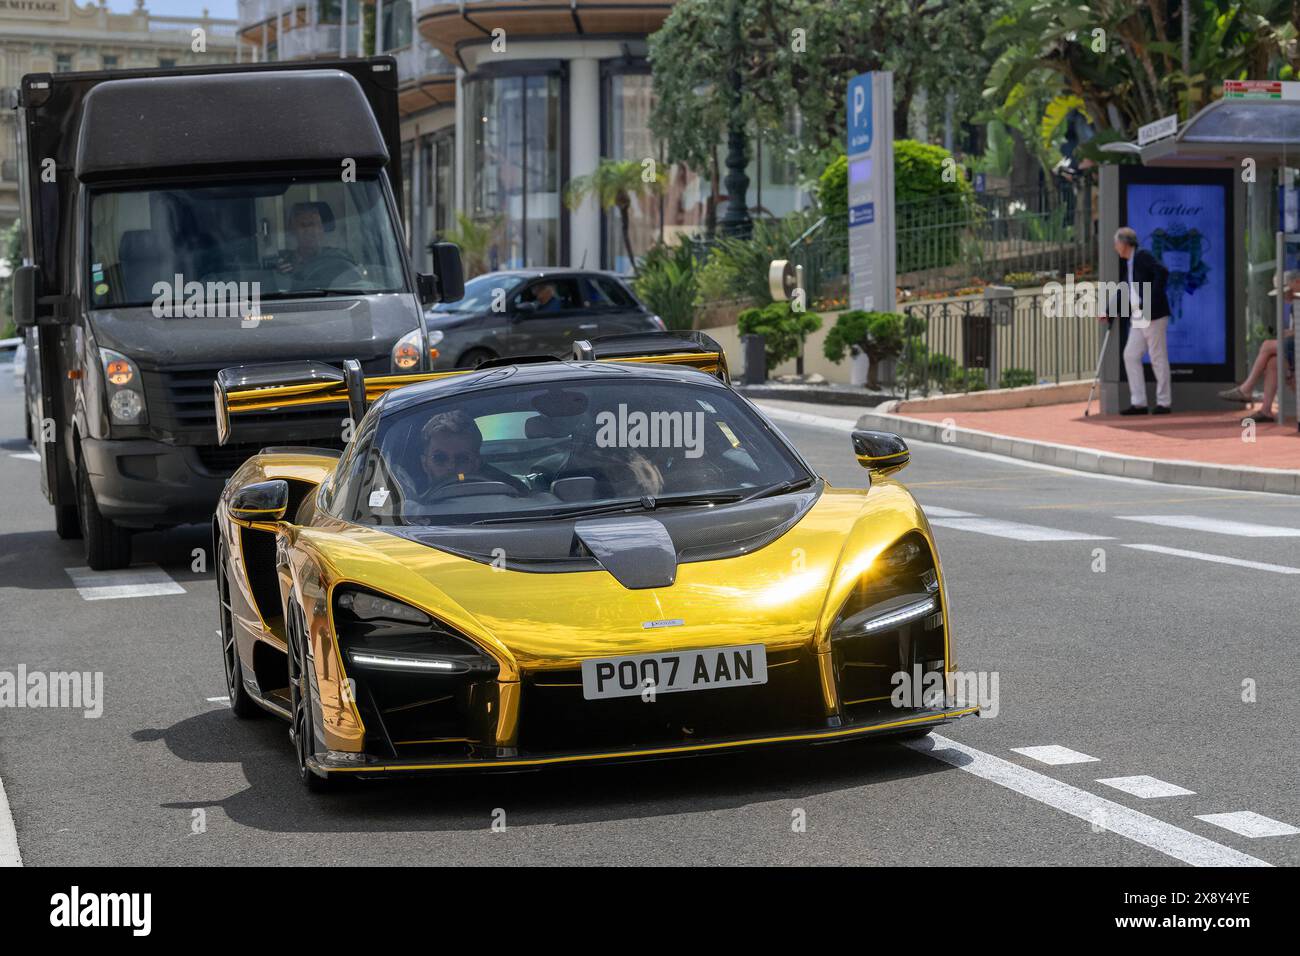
(532, 312)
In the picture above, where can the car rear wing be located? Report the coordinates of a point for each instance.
(693, 349)
(274, 387)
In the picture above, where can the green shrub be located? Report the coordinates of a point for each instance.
(967, 380)
(1017, 378)
(783, 329)
(737, 268)
(669, 284)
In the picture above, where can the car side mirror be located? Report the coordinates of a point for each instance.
(27, 289)
(448, 272)
(261, 502)
(881, 453)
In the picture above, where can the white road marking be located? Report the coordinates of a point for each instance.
(934, 511)
(25, 455)
(9, 855)
(1054, 755)
(218, 700)
(1146, 787)
(1240, 529)
(1014, 530)
(127, 583)
(1162, 837)
(845, 425)
(1216, 558)
(1249, 824)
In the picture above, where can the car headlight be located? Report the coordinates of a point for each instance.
(901, 586)
(406, 353)
(380, 633)
(124, 388)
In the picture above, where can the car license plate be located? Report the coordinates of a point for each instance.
(706, 669)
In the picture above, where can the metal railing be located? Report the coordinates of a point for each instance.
(971, 344)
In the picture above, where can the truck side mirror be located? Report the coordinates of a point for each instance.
(27, 289)
(448, 271)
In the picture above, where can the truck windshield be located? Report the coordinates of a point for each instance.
(282, 238)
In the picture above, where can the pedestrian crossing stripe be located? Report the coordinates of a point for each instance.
(1240, 529)
(150, 581)
(1014, 530)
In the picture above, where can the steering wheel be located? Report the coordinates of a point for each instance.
(331, 266)
(476, 486)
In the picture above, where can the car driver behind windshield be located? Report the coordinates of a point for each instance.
(452, 442)
(308, 231)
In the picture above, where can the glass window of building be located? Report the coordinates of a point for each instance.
(396, 31)
(110, 61)
(682, 205)
(63, 63)
(513, 160)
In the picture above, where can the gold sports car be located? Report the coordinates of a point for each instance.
(541, 562)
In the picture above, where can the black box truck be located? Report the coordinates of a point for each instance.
(179, 222)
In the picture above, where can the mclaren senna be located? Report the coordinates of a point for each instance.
(536, 562)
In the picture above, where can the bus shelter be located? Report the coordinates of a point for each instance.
(1217, 203)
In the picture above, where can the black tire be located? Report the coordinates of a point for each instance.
(108, 547)
(67, 523)
(242, 704)
(473, 357)
(300, 703)
(907, 735)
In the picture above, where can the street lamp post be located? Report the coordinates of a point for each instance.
(736, 221)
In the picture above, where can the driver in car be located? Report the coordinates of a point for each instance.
(452, 442)
(309, 234)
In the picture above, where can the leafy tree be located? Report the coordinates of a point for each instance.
(11, 249)
(797, 57)
(737, 268)
(1122, 58)
(783, 329)
(614, 184)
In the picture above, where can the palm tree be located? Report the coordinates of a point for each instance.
(615, 183)
(475, 238)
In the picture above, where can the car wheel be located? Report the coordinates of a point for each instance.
(108, 547)
(242, 704)
(474, 357)
(301, 731)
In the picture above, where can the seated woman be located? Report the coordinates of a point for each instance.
(1265, 366)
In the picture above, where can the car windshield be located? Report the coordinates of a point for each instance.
(480, 293)
(272, 239)
(554, 451)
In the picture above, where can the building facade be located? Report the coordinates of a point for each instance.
(504, 102)
(62, 36)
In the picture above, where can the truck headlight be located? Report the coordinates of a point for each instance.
(406, 353)
(124, 388)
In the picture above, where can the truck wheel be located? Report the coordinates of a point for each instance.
(67, 523)
(108, 547)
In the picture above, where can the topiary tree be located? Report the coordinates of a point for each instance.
(784, 331)
(881, 335)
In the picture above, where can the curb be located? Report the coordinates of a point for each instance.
(1273, 480)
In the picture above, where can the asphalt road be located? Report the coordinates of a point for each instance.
(1140, 667)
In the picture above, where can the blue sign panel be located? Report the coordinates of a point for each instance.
(1182, 225)
(862, 215)
(860, 125)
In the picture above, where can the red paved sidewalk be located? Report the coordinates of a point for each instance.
(1207, 437)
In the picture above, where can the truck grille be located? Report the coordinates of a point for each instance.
(182, 398)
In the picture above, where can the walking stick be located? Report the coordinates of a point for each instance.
(1096, 377)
